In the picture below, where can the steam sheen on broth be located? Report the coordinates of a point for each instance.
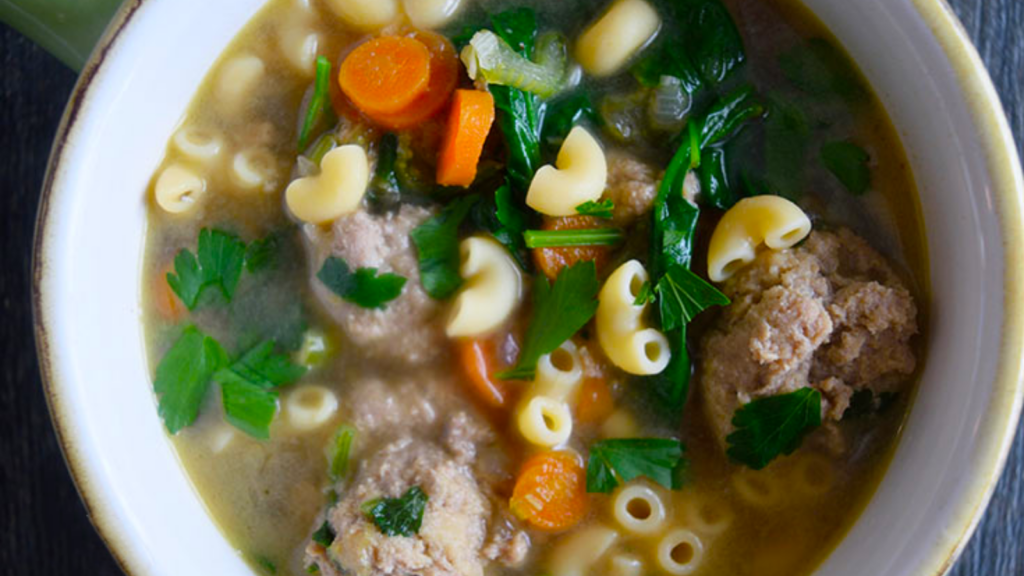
(276, 344)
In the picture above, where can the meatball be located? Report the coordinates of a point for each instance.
(632, 186)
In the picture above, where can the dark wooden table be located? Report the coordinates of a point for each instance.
(43, 527)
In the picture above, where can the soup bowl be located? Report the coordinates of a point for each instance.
(132, 93)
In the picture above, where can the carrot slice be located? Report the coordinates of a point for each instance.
(469, 122)
(595, 402)
(478, 359)
(552, 260)
(551, 491)
(167, 303)
(444, 74)
(385, 75)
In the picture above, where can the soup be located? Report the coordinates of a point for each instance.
(492, 286)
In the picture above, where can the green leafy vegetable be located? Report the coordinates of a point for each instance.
(714, 182)
(262, 254)
(316, 109)
(320, 148)
(603, 209)
(400, 516)
(338, 452)
(818, 67)
(727, 114)
(621, 460)
(583, 237)
(849, 163)
(437, 242)
(518, 28)
(219, 263)
(773, 426)
(183, 376)
(683, 295)
(268, 566)
(499, 215)
(498, 63)
(559, 311)
(564, 115)
(787, 136)
(324, 535)
(645, 295)
(247, 387)
(364, 288)
(385, 192)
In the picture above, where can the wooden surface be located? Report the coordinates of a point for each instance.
(43, 527)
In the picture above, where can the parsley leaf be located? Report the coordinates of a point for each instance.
(620, 460)
(338, 451)
(849, 163)
(364, 288)
(437, 242)
(645, 295)
(262, 254)
(602, 209)
(183, 376)
(400, 516)
(218, 262)
(559, 311)
(250, 403)
(504, 220)
(683, 295)
(773, 426)
(324, 535)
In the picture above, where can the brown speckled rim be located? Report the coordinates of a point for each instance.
(1008, 392)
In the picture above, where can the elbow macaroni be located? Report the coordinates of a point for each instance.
(574, 555)
(544, 417)
(337, 190)
(254, 169)
(707, 516)
(770, 220)
(178, 189)
(198, 144)
(545, 422)
(237, 81)
(580, 176)
(638, 509)
(309, 407)
(625, 565)
(620, 331)
(680, 552)
(606, 46)
(757, 488)
(559, 373)
(365, 14)
(429, 14)
(493, 288)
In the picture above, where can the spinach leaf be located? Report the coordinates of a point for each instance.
(849, 163)
(500, 216)
(714, 181)
(402, 516)
(820, 68)
(385, 192)
(564, 115)
(727, 114)
(787, 136)
(603, 209)
(437, 242)
(364, 287)
(618, 461)
(183, 376)
(773, 426)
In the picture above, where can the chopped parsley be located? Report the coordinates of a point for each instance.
(559, 311)
(683, 295)
(247, 388)
(437, 242)
(217, 262)
(603, 209)
(338, 451)
(324, 535)
(849, 163)
(183, 376)
(620, 460)
(400, 516)
(773, 426)
(262, 254)
(364, 287)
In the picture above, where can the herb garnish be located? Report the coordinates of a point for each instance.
(584, 237)
(400, 516)
(317, 102)
(183, 376)
(773, 426)
(559, 311)
(217, 262)
(849, 163)
(682, 295)
(437, 242)
(338, 452)
(620, 460)
(247, 387)
(364, 288)
(603, 209)
(324, 535)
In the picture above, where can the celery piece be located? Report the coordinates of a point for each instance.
(489, 57)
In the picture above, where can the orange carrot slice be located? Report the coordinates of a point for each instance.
(479, 363)
(167, 303)
(444, 74)
(552, 260)
(469, 122)
(385, 75)
(551, 492)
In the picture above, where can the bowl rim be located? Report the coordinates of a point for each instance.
(1004, 167)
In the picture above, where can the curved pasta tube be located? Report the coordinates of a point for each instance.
(707, 516)
(429, 14)
(545, 422)
(254, 169)
(621, 424)
(337, 190)
(757, 489)
(178, 189)
(198, 144)
(620, 331)
(607, 45)
(559, 373)
(309, 407)
(813, 475)
(770, 220)
(220, 437)
(493, 288)
(366, 14)
(625, 565)
(581, 176)
(680, 552)
(576, 553)
(638, 509)
(237, 81)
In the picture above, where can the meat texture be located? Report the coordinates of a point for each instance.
(830, 314)
(454, 459)
(632, 185)
(407, 329)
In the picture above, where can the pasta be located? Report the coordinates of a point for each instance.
(605, 47)
(492, 291)
(638, 509)
(237, 81)
(620, 424)
(299, 43)
(622, 564)
(220, 437)
(545, 422)
(813, 474)
(769, 220)
(680, 552)
(575, 554)
(580, 176)
(559, 373)
(197, 144)
(706, 515)
(430, 13)
(620, 331)
(756, 488)
(309, 407)
(337, 190)
(254, 169)
(178, 189)
(366, 14)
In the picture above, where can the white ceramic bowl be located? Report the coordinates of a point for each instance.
(90, 242)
